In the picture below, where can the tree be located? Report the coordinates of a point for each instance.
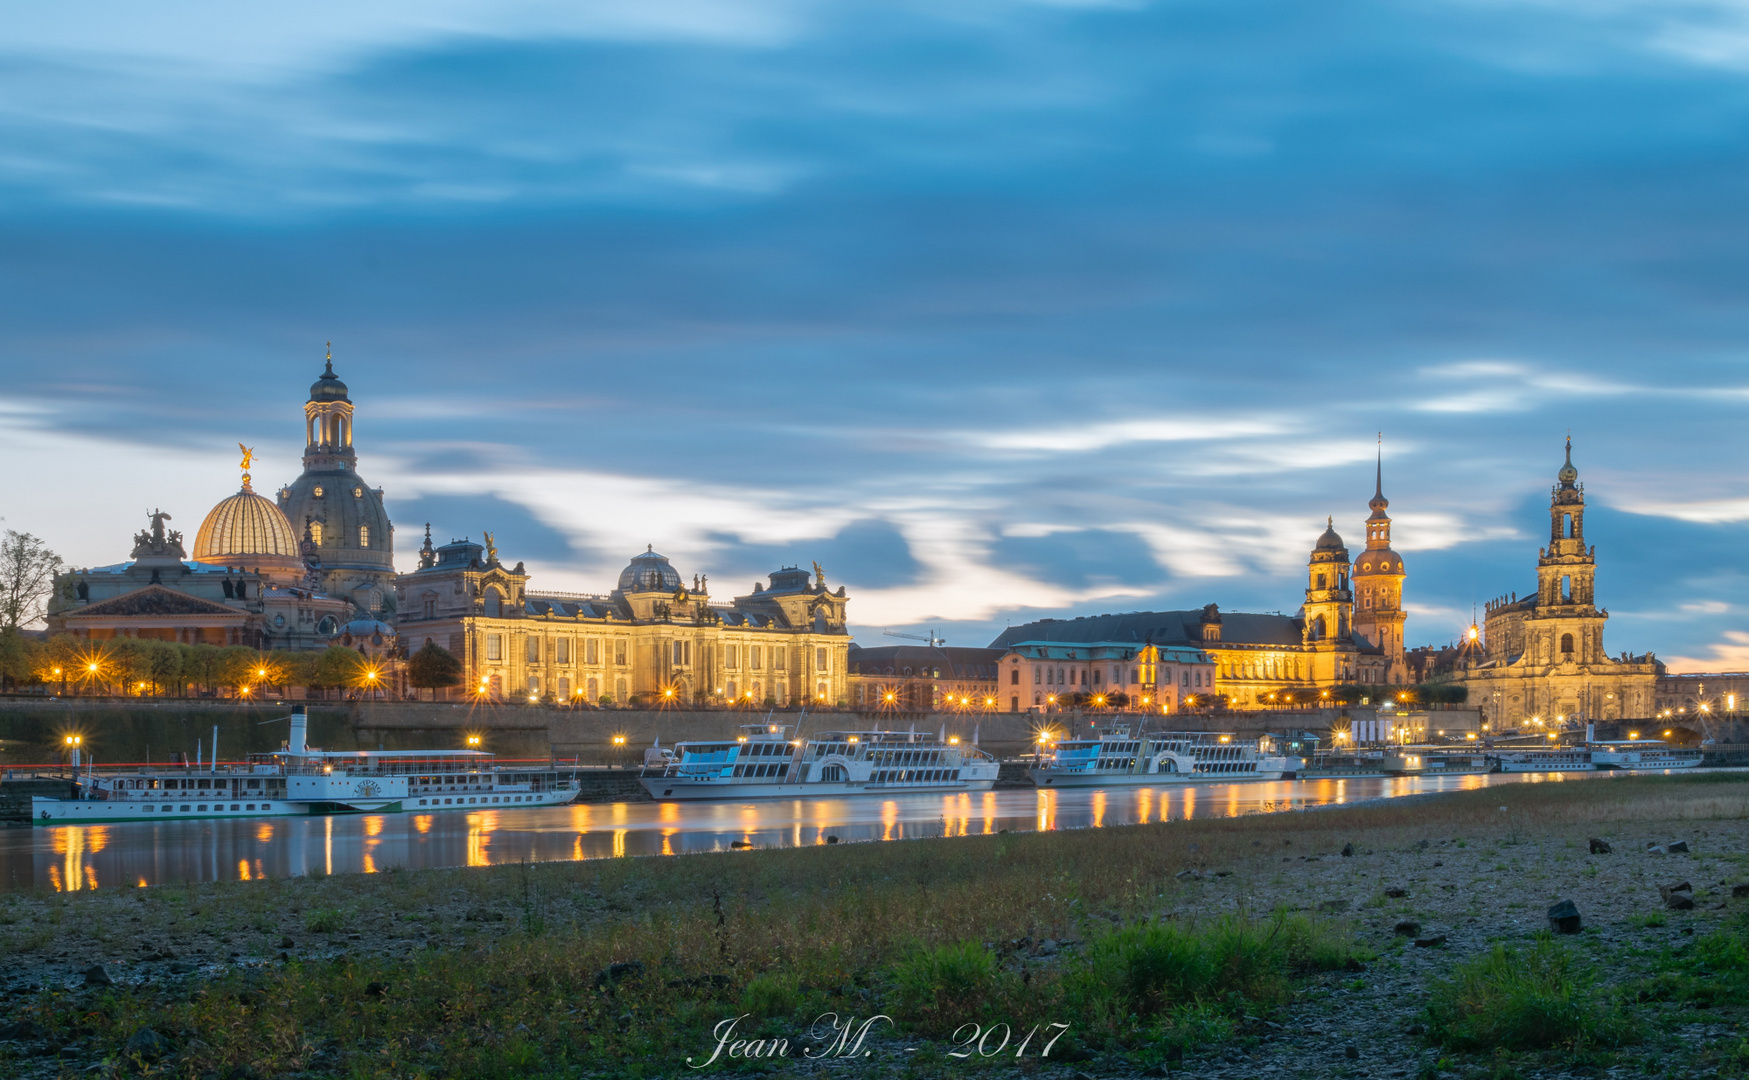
(27, 574)
(434, 668)
(336, 666)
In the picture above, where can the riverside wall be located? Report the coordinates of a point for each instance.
(137, 730)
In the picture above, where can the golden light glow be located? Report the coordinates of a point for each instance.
(852, 739)
(1633, 734)
(619, 740)
(953, 740)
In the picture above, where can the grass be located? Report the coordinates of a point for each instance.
(1533, 998)
(510, 971)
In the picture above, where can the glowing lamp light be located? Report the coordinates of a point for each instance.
(619, 740)
(853, 738)
(473, 740)
(1666, 734)
(740, 738)
(953, 740)
(91, 667)
(1633, 734)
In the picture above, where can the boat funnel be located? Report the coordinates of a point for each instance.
(299, 730)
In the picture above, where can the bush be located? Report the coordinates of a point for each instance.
(949, 985)
(1514, 999)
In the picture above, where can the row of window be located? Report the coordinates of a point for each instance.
(200, 808)
(363, 534)
(563, 649)
(913, 776)
(482, 800)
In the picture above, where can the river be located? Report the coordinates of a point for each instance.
(73, 857)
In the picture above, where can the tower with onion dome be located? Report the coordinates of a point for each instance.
(343, 530)
(1378, 585)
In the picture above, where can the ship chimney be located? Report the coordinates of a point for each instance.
(299, 726)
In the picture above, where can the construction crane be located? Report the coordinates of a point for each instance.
(934, 641)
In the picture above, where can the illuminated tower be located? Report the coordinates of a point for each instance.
(1378, 585)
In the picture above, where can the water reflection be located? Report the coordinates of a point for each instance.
(73, 857)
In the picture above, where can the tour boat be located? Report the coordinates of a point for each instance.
(1575, 759)
(301, 780)
(762, 762)
(1642, 754)
(1163, 757)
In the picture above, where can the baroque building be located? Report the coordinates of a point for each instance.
(652, 639)
(1251, 659)
(247, 584)
(1542, 658)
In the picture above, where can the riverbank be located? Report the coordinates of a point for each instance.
(1238, 948)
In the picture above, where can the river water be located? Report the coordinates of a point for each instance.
(73, 857)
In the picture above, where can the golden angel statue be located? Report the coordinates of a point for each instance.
(491, 550)
(819, 575)
(248, 456)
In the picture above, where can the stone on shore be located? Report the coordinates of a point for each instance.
(1564, 917)
(1599, 847)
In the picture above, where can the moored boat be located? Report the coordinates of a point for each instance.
(764, 763)
(1642, 754)
(1568, 759)
(302, 780)
(1163, 757)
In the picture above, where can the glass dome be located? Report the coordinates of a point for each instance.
(649, 572)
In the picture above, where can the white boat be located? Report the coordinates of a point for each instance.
(1164, 757)
(762, 762)
(1642, 754)
(301, 780)
(1575, 759)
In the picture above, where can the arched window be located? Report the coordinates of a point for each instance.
(1567, 526)
(1567, 644)
(494, 604)
(316, 532)
(364, 536)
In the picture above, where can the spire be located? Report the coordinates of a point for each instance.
(329, 359)
(1378, 503)
(1568, 473)
(1378, 488)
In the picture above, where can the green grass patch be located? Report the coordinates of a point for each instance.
(1541, 997)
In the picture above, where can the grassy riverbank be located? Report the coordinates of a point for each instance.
(1244, 947)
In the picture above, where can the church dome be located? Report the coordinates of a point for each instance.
(1330, 541)
(328, 387)
(244, 527)
(649, 572)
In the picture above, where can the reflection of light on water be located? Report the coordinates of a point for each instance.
(263, 834)
(328, 843)
(1099, 809)
(1047, 809)
(1189, 803)
(422, 823)
(577, 849)
(55, 877)
(619, 843)
(480, 829)
(667, 841)
(1232, 800)
(142, 883)
(581, 818)
(74, 843)
(242, 869)
(668, 811)
(373, 825)
(989, 812)
(619, 813)
(889, 818)
(1144, 805)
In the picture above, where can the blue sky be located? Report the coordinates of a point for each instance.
(998, 310)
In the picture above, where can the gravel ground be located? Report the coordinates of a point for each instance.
(1464, 893)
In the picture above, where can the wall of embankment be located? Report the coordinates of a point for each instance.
(136, 730)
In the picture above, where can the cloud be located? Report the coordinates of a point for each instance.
(1730, 654)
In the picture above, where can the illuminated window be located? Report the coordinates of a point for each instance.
(619, 657)
(317, 492)
(819, 659)
(364, 536)
(777, 658)
(316, 529)
(533, 649)
(494, 646)
(562, 652)
(592, 653)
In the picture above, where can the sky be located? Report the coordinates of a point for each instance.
(998, 310)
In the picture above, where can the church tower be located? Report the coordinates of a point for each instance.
(1571, 629)
(1329, 609)
(1378, 585)
(345, 530)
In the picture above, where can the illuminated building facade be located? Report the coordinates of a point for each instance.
(652, 640)
(1542, 659)
(923, 678)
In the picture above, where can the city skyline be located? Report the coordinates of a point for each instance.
(1025, 310)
